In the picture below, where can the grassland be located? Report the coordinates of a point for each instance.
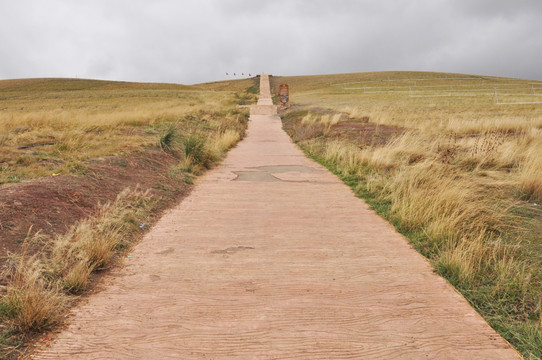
(64, 123)
(455, 168)
(64, 135)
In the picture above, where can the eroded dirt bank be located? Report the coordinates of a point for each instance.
(52, 204)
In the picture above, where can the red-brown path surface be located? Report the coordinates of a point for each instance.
(272, 257)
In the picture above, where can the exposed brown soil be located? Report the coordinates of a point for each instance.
(52, 204)
(361, 132)
(364, 133)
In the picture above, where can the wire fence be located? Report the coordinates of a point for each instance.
(503, 91)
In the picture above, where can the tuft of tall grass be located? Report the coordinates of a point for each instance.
(31, 302)
(196, 150)
(531, 172)
(202, 151)
(428, 196)
(76, 277)
(38, 286)
(167, 138)
(461, 262)
(224, 141)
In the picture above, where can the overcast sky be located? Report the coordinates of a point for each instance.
(191, 41)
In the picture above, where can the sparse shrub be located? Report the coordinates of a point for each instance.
(187, 165)
(30, 302)
(531, 175)
(225, 141)
(76, 279)
(100, 249)
(458, 264)
(194, 147)
(34, 298)
(167, 138)
(532, 186)
(197, 151)
(203, 151)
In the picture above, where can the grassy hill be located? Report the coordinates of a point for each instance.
(84, 119)
(454, 161)
(86, 166)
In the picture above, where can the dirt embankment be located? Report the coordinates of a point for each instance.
(361, 132)
(51, 205)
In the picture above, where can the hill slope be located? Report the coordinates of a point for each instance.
(68, 147)
(453, 161)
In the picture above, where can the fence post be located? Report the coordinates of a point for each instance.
(495, 100)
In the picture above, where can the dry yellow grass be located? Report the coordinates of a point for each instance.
(530, 170)
(51, 127)
(92, 243)
(462, 181)
(225, 141)
(76, 120)
(38, 285)
(29, 301)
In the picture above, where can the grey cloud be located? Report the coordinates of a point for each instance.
(491, 8)
(194, 41)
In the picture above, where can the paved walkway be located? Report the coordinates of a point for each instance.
(272, 257)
